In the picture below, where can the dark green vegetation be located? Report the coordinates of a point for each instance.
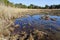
(31, 6)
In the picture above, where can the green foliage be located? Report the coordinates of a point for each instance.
(34, 6)
(31, 6)
(54, 6)
(20, 5)
(46, 6)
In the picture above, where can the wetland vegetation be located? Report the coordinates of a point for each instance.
(21, 22)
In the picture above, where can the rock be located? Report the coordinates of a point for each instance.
(46, 17)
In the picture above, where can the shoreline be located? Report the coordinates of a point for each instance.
(10, 12)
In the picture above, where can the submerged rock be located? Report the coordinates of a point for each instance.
(46, 17)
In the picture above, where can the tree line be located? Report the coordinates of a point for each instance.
(31, 6)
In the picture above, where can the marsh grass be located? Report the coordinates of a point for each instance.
(9, 14)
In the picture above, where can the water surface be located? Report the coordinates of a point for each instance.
(39, 23)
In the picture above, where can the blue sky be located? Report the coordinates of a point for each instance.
(37, 2)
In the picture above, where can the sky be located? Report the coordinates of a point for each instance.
(37, 2)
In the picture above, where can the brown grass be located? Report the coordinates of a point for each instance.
(8, 14)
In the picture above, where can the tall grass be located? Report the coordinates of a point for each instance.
(8, 14)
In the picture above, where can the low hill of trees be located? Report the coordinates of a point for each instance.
(31, 6)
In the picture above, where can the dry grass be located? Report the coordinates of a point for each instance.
(8, 14)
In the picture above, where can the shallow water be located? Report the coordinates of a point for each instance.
(36, 21)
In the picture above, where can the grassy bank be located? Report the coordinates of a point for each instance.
(8, 14)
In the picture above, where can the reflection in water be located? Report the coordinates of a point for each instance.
(36, 21)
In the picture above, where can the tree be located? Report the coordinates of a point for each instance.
(46, 6)
(31, 6)
(20, 5)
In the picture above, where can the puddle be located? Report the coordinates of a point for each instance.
(39, 23)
